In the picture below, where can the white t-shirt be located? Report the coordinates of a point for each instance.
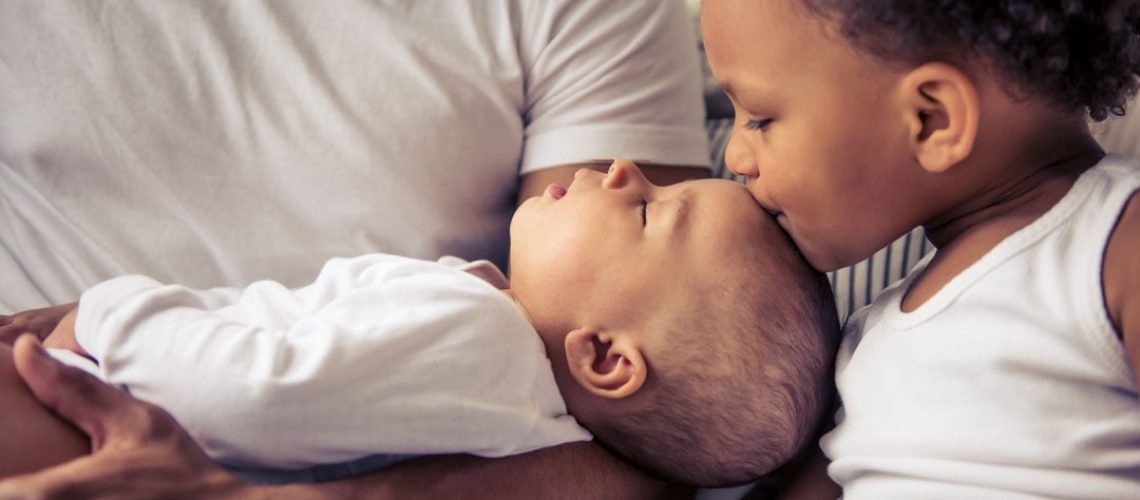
(1009, 383)
(379, 355)
(216, 143)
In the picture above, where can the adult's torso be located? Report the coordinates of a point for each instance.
(217, 143)
(188, 125)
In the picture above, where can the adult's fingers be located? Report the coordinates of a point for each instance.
(61, 482)
(38, 322)
(92, 406)
(160, 468)
(10, 329)
(138, 449)
(9, 333)
(159, 465)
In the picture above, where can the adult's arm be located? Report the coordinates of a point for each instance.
(136, 440)
(606, 80)
(572, 471)
(809, 480)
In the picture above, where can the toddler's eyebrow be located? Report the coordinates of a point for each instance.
(726, 86)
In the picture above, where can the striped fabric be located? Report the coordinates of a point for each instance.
(1121, 134)
(857, 285)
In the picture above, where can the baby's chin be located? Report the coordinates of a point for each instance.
(525, 207)
(517, 228)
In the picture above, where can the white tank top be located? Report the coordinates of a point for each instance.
(1010, 382)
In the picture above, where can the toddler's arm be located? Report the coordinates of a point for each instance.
(1121, 278)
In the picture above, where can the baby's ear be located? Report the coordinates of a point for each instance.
(941, 107)
(608, 365)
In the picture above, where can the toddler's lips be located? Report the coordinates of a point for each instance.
(556, 191)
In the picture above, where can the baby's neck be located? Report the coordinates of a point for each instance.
(549, 339)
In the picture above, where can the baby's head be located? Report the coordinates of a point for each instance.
(861, 119)
(684, 329)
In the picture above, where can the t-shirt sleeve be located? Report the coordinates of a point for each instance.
(611, 79)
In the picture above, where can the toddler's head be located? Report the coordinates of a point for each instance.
(684, 329)
(861, 119)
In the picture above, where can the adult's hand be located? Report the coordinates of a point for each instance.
(38, 322)
(138, 450)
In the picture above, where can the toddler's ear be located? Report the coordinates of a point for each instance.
(607, 365)
(942, 115)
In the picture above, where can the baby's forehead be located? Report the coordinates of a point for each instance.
(722, 198)
(731, 223)
(714, 183)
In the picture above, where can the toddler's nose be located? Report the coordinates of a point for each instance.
(739, 159)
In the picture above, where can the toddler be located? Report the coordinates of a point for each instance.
(678, 324)
(1006, 364)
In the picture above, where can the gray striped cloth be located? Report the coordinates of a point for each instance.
(857, 285)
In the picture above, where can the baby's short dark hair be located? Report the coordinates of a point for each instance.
(746, 378)
(1078, 54)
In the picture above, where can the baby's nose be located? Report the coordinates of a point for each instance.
(621, 173)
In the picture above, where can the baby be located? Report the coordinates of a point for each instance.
(678, 324)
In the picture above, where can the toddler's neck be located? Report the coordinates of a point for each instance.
(1016, 187)
(1015, 177)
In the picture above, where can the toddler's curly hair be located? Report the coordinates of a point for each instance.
(1082, 54)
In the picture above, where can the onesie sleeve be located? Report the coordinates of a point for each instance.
(611, 79)
(379, 355)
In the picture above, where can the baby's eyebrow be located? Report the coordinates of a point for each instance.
(682, 212)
